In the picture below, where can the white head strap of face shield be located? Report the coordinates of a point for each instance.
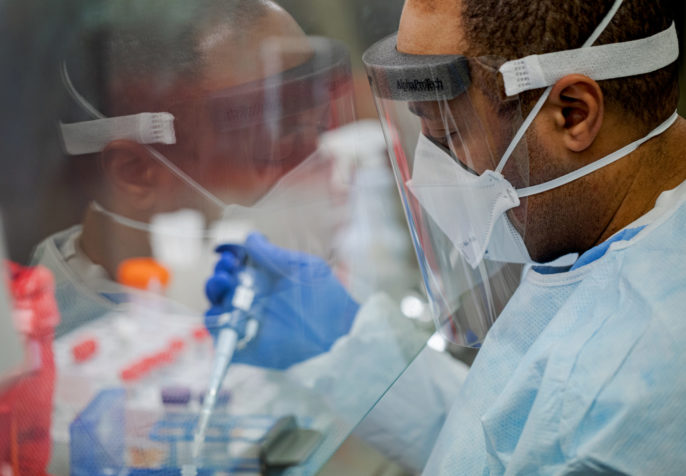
(156, 127)
(150, 127)
(597, 62)
(88, 137)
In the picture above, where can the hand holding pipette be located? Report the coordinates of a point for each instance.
(301, 307)
(300, 304)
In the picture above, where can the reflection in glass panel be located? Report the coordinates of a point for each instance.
(218, 233)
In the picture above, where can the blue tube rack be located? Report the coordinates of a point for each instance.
(98, 440)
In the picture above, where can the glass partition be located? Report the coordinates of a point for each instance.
(140, 136)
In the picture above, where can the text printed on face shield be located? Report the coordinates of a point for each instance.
(419, 85)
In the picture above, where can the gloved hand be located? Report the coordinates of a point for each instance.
(301, 306)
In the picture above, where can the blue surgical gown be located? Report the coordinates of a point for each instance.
(584, 372)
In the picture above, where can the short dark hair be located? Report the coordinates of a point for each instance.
(516, 28)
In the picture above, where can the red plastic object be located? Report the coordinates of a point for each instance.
(147, 364)
(134, 371)
(84, 350)
(166, 357)
(200, 334)
(26, 407)
(33, 291)
(176, 345)
(159, 359)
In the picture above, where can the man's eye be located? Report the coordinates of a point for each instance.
(443, 142)
(440, 141)
(447, 141)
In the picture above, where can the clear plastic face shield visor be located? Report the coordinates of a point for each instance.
(456, 138)
(442, 130)
(249, 157)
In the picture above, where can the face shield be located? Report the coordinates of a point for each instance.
(233, 160)
(454, 128)
(445, 127)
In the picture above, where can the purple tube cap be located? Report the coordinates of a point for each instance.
(175, 395)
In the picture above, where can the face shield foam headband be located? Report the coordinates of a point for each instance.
(471, 208)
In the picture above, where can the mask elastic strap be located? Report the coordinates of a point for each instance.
(598, 164)
(180, 174)
(544, 97)
(147, 227)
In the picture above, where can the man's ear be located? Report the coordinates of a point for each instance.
(132, 171)
(578, 110)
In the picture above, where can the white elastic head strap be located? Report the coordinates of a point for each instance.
(88, 137)
(144, 128)
(92, 136)
(615, 60)
(597, 62)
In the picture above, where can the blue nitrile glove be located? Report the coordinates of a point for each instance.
(301, 306)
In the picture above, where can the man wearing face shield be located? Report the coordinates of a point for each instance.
(544, 134)
(215, 107)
